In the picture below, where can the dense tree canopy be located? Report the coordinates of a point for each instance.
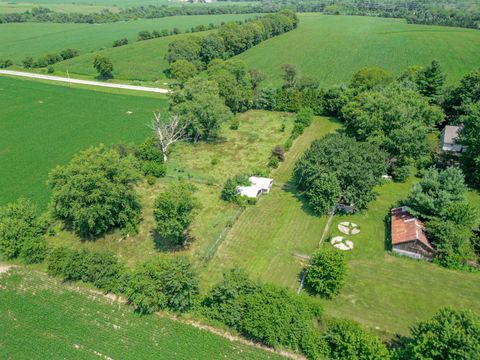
(200, 104)
(449, 334)
(326, 273)
(21, 232)
(464, 95)
(356, 166)
(174, 211)
(470, 138)
(94, 193)
(104, 67)
(430, 80)
(395, 118)
(183, 70)
(370, 78)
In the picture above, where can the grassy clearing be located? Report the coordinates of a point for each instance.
(266, 237)
(36, 39)
(390, 293)
(43, 125)
(58, 322)
(238, 151)
(332, 48)
(383, 292)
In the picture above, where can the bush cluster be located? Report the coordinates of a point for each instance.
(5, 63)
(49, 59)
(229, 192)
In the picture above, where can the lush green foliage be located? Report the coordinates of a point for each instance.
(229, 191)
(449, 334)
(467, 93)
(183, 70)
(265, 313)
(369, 78)
(347, 340)
(174, 211)
(200, 104)
(104, 67)
(94, 193)
(327, 271)
(163, 284)
(469, 137)
(21, 232)
(356, 166)
(430, 80)
(102, 269)
(75, 315)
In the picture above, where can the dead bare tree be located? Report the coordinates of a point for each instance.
(168, 132)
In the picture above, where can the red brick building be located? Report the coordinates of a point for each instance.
(408, 236)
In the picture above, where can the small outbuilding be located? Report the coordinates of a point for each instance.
(259, 185)
(449, 139)
(408, 235)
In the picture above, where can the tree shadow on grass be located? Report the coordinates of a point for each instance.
(165, 244)
(292, 189)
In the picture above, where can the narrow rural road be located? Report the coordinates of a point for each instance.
(84, 82)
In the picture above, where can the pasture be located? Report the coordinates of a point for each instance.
(207, 166)
(383, 292)
(56, 321)
(18, 41)
(332, 48)
(43, 125)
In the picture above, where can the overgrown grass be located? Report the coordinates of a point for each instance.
(43, 319)
(43, 125)
(332, 48)
(237, 151)
(37, 39)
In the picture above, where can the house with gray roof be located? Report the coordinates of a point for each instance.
(449, 139)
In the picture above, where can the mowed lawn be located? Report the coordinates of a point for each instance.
(206, 166)
(268, 238)
(44, 319)
(332, 48)
(18, 40)
(43, 125)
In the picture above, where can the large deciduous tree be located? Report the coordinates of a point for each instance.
(357, 168)
(94, 193)
(470, 138)
(104, 67)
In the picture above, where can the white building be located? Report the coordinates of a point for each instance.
(258, 186)
(449, 139)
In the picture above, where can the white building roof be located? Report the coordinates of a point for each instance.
(249, 191)
(261, 182)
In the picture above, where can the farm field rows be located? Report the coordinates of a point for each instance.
(333, 48)
(58, 322)
(18, 41)
(10, 7)
(43, 125)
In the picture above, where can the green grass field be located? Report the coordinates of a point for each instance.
(332, 48)
(11, 7)
(207, 166)
(43, 319)
(36, 39)
(43, 125)
(384, 292)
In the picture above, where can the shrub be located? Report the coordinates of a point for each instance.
(34, 251)
(347, 340)
(144, 35)
(401, 173)
(449, 334)
(94, 193)
(174, 211)
(297, 131)
(288, 144)
(154, 169)
(104, 67)
(234, 123)
(19, 229)
(304, 117)
(68, 53)
(28, 62)
(50, 70)
(163, 284)
(326, 273)
(229, 191)
(278, 152)
(5, 63)
(120, 42)
(57, 261)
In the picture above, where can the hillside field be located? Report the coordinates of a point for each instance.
(332, 48)
(54, 321)
(43, 125)
(36, 39)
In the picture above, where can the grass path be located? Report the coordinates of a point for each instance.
(266, 237)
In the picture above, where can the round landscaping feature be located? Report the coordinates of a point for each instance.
(348, 228)
(341, 243)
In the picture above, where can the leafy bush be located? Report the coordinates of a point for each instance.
(94, 193)
(120, 42)
(449, 334)
(324, 193)
(154, 169)
(144, 35)
(174, 211)
(163, 284)
(304, 117)
(21, 232)
(68, 53)
(297, 131)
(5, 63)
(326, 273)
(278, 152)
(347, 340)
(234, 123)
(229, 191)
(28, 62)
(273, 162)
(401, 173)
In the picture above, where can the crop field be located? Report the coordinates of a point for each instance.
(43, 125)
(332, 48)
(10, 7)
(270, 240)
(54, 321)
(18, 41)
(207, 166)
